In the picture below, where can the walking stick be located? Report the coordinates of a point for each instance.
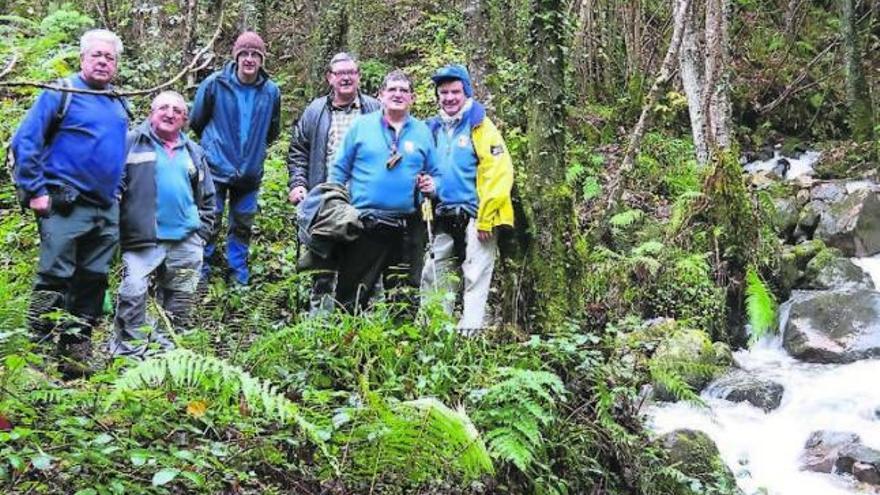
(428, 217)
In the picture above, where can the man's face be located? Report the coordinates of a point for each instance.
(249, 63)
(98, 63)
(451, 96)
(344, 78)
(168, 115)
(397, 96)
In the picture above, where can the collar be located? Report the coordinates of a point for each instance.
(354, 105)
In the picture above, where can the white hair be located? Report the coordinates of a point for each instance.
(171, 94)
(91, 36)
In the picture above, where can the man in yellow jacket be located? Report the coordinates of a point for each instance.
(474, 200)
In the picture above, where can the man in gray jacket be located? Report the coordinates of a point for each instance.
(166, 215)
(315, 139)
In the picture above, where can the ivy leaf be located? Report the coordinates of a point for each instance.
(138, 458)
(165, 476)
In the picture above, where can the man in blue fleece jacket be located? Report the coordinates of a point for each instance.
(69, 172)
(237, 115)
(386, 159)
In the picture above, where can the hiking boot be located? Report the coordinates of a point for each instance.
(74, 359)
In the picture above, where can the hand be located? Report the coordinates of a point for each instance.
(425, 183)
(40, 205)
(296, 194)
(484, 235)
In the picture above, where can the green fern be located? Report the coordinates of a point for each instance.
(416, 440)
(760, 305)
(626, 218)
(186, 369)
(514, 412)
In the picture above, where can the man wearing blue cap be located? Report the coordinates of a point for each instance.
(475, 198)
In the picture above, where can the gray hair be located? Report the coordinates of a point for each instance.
(172, 94)
(341, 57)
(91, 36)
(396, 75)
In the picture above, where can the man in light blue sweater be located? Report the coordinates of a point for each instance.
(387, 160)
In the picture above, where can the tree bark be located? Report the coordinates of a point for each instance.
(717, 86)
(692, 79)
(552, 272)
(861, 113)
(192, 16)
(475, 25)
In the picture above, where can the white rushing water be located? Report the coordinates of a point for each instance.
(802, 165)
(763, 449)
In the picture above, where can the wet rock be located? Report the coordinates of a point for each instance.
(781, 168)
(743, 386)
(786, 218)
(851, 224)
(860, 461)
(822, 449)
(829, 270)
(834, 326)
(828, 191)
(866, 473)
(696, 455)
(690, 354)
(808, 218)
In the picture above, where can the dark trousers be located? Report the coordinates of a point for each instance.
(394, 253)
(75, 253)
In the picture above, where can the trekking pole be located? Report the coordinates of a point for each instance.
(428, 217)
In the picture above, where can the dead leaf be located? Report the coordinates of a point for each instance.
(197, 408)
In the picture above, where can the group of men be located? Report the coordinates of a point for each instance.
(93, 184)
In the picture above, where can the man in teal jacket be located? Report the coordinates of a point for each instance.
(387, 158)
(475, 199)
(237, 115)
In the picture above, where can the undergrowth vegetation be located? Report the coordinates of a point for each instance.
(261, 399)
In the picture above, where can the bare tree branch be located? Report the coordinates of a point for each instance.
(793, 88)
(9, 65)
(635, 140)
(192, 66)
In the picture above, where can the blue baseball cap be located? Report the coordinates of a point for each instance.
(454, 72)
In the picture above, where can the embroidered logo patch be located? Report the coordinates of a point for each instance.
(409, 146)
(496, 150)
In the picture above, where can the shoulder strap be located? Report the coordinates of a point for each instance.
(63, 107)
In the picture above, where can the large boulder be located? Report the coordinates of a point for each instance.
(833, 326)
(828, 270)
(823, 449)
(743, 386)
(849, 222)
(696, 455)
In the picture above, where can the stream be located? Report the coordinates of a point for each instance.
(763, 450)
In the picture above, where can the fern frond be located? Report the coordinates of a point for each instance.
(515, 410)
(183, 368)
(648, 248)
(760, 305)
(417, 440)
(626, 218)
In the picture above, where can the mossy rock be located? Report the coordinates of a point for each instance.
(830, 270)
(689, 354)
(696, 455)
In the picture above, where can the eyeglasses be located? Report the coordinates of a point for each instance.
(347, 72)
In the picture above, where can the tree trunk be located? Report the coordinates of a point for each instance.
(475, 22)
(192, 16)
(691, 63)
(861, 114)
(717, 85)
(553, 265)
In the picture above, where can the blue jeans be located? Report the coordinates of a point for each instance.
(242, 210)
